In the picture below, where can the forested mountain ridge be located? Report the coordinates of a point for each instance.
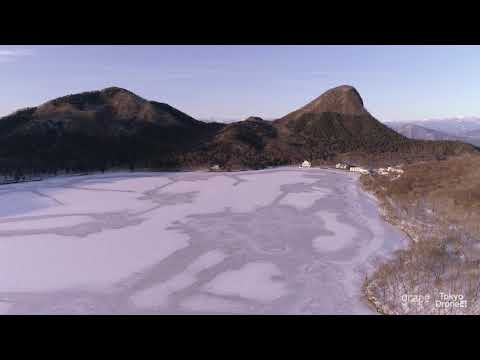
(115, 128)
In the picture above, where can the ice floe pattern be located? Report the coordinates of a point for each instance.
(255, 281)
(342, 233)
(21, 202)
(157, 295)
(277, 241)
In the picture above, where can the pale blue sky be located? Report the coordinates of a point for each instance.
(234, 82)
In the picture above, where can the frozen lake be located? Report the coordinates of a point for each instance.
(277, 241)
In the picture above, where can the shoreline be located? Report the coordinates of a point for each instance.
(126, 172)
(367, 293)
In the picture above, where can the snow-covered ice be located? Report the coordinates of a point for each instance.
(158, 294)
(342, 233)
(42, 223)
(299, 200)
(21, 202)
(211, 305)
(283, 240)
(4, 307)
(255, 281)
(50, 262)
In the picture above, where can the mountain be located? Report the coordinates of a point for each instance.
(250, 143)
(473, 133)
(336, 125)
(342, 100)
(457, 126)
(337, 118)
(415, 131)
(115, 128)
(99, 129)
(333, 127)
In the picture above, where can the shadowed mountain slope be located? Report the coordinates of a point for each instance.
(114, 128)
(336, 125)
(98, 130)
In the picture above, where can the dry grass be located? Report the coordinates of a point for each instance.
(437, 203)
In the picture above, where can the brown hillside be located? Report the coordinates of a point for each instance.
(116, 128)
(437, 203)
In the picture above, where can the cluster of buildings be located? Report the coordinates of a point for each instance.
(342, 166)
(389, 170)
(348, 167)
(380, 171)
(345, 166)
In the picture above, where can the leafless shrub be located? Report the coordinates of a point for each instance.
(437, 203)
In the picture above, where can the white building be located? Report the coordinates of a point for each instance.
(306, 164)
(359, 169)
(342, 166)
(395, 169)
(389, 170)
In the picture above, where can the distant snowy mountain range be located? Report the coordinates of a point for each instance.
(466, 129)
